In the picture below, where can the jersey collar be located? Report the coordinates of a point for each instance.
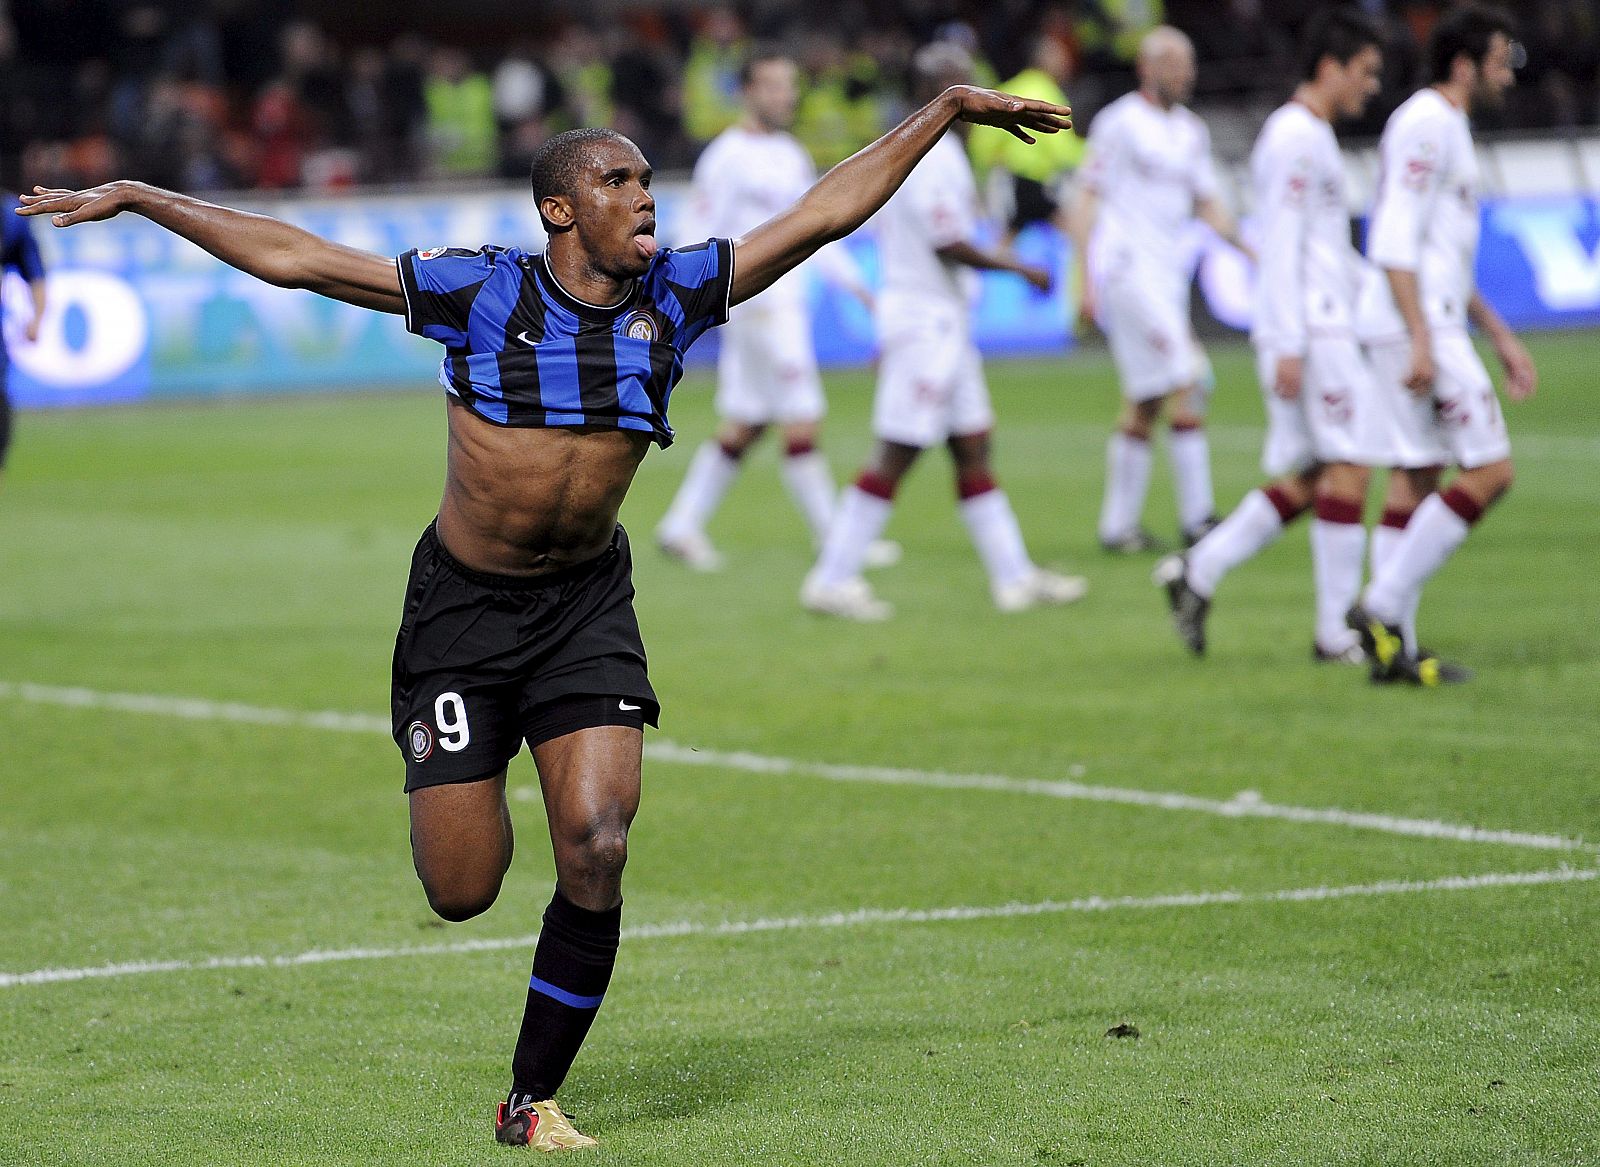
(577, 307)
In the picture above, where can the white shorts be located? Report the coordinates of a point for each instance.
(1459, 424)
(767, 369)
(1146, 320)
(930, 383)
(1337, 417)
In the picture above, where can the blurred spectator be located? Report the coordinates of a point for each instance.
(585, 77)
(461, 129)
(711, 75)
(523, 93)
(1036, 175)
(840, 110)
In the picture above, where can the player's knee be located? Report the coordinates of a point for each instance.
(1500, 476)
(1487, 483)
(457, 900)
(599, 853)
(800, 438)
(736, 438)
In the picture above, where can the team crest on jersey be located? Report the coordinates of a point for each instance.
(421, 740)
(640, 326)
(432, 253)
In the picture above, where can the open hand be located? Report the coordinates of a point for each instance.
(1088, 304)
(69, 207)
(1419, 377)
(1289, 377)
(1040, 277)
(1015, 115)
(1522, 379)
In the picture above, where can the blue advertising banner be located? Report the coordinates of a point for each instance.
(136, 313)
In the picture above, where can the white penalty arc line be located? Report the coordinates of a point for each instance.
(1246, 804)
(862, 917)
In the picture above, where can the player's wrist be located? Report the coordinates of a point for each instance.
(953, 101)
(131, 195)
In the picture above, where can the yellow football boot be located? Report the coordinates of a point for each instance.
(522, 1122)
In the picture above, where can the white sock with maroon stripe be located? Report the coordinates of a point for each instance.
(711, 472)
(1386, 538)
(1439, 526)
(1338, 546)
(863, 513)
(810, 482)
(1191, 469)
(1127, 481)
(1251, 527)
(994, 530)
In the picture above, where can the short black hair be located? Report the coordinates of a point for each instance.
(1465, 30)
(558, 159)
(1341, 33)
(760, 54)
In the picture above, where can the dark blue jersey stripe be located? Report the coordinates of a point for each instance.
(522, 351)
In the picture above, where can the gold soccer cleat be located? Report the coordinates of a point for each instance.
(522, 1122)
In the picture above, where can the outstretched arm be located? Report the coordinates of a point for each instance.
(849, 194)
(258, 245)
(982, 259)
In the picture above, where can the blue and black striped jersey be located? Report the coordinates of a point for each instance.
(521, 351)
(18, 250)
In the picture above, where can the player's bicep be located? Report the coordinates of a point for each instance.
(362, 278)
(776, 247)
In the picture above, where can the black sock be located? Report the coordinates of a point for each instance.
(571, 969)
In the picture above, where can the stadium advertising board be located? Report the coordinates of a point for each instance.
(138, 313)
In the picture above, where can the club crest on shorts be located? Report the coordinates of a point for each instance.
(421, 740)
(432, 253)
(640, 325)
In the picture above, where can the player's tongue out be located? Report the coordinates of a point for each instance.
(645, 243)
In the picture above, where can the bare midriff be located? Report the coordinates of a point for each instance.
(527, 501)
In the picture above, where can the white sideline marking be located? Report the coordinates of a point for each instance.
(1245, 804)
(854, 919)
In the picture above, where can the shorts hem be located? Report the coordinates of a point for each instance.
(494, 772)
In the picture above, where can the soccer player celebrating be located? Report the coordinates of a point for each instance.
(19, 252)
(1147, 175)
(766, 371)
(1442, 404)
(518, 622)
(930, 380)
(1324, 425)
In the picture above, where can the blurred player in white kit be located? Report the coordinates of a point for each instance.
(767, 369)
(1325, 425)
(931, 388)
(1442, 404)
(1148, 174)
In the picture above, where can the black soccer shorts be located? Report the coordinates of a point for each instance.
(485, 662)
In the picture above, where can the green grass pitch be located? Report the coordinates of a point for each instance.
(255, 553)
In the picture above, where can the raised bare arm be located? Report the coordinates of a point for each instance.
(849, 194)
(258, 245)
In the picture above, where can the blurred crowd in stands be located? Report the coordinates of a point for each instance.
(235, 94)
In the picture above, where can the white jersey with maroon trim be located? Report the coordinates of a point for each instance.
(936, 206)
(1426, 218)
(1149, 166)
(1309, 276)
(742, 179)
